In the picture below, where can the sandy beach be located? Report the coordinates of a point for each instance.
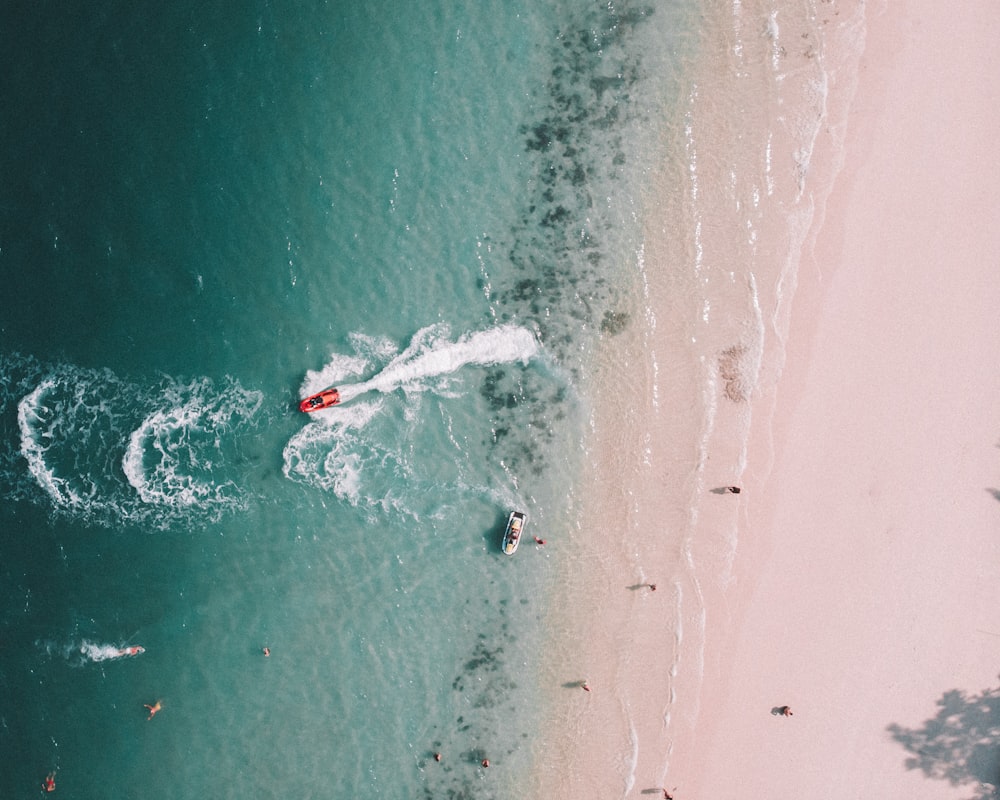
(877, 601)
(856, 577)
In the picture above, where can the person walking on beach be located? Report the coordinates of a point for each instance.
(785, 711)
(153, 709)
(733, 489)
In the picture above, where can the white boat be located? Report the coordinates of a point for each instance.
(512, 536)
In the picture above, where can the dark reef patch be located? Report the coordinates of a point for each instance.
(614, 322)
(485, 692)
(564, 247)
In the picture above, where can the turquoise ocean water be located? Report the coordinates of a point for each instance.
(209, 210)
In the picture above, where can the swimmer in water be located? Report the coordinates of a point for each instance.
(158, 706)
(50, 782)
(134, 650)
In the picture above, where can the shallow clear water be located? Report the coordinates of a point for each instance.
(210, 211)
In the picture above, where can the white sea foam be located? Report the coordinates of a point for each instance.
(81, 652)
(34, 433)
(376, 467)
(171, 456)
(158, 432)
(107, 450)
(339, 367)
(326, 455)
(431, 355)
(94, 651)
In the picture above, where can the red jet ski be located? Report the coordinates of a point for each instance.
(324, 399)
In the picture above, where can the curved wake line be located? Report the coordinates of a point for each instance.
(358, 450)
(144, 438)
(104, 449)
(170, 457)
(34, 451)
(501, 345)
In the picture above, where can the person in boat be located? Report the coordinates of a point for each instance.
(315, 402)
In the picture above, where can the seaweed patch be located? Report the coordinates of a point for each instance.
(563, 248)
(484, 690)
(738, 372)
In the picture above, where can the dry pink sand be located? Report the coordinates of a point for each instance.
(877, 587)
(866, 582)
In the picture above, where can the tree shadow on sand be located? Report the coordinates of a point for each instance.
(961, 744)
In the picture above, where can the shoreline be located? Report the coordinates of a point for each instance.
(714, 267)
(864, 615)
(861, 573)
